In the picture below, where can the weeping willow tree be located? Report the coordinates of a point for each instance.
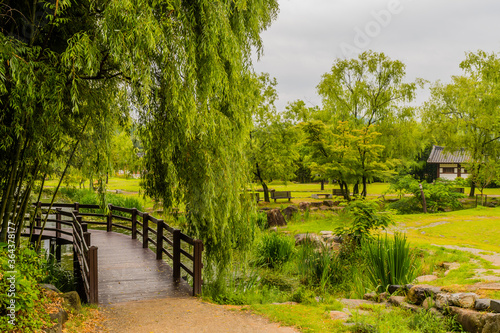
(69, 69)
(198, 116)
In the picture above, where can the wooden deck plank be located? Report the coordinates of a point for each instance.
(128, 272)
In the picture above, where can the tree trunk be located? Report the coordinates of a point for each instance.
(363, 194)
(322, 184)
(264, 185)
(9, 193)
(344, 187)
(355, 189)
(472, 190)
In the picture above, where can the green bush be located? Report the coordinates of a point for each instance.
(390, 261)
(329, 269)
(29, 299)
(274, 249)
(364, 219)
(439, 195)
(57, 275)
(88, 197)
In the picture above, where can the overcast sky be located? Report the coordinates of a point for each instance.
(430, 37)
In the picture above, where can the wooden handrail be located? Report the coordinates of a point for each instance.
(160, 236)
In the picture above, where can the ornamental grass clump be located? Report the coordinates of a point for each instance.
(274, 249)
(390, 261)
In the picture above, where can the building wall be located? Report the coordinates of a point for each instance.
(451, 171)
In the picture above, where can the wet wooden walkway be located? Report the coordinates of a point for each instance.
(128, 272)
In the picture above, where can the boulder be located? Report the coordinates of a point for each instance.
(417, 294)
(60, 317)
(339, 315)
(428, 303)
(491, 323)
(72, 300)
(314, 209)
(324, 208)
(482, 304)
(471, 321)
(396, 300)
(329, 203)
(275, 218)
(308, 238)
(442, 300)
(289, 211)
(426, 278)
(304, 205)
(315, 204)
(495, 305)
(393, 288)
(464, 300)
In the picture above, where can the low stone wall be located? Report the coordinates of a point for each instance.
(476, 315)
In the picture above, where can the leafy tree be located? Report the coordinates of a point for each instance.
(272, 146)
(462, 114)
(184, 66)
(370, 91)
(439, 195)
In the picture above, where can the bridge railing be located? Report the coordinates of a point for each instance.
(184, 251)
(85, 267)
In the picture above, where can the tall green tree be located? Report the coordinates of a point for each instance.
(185, 66)
(464, 113)
(368, 91)
(272, 145)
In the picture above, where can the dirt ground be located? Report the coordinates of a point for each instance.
(185, 314)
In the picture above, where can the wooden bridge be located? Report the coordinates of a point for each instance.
(112, 267)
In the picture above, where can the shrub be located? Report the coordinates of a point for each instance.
(30, 314)
(439, 195)
(57, 275)
(364, 219)
(390, 261)
(326, 268)
(274, 249)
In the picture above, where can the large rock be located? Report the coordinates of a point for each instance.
(492, 323)
(314, 239)
(442, 300)
(396, 300)
(72, 300)
(426, 278)
(339, 315)
(464, 300)
(495, 306)
(304, 205)
(275, 218)
(417, 294)
(482, 304)
(289, 211)
(315, 204)
(471, 321)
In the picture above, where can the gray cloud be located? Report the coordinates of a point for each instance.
(430, 37)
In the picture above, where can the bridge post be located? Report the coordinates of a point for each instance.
(109, 219)
(93, 278)
(145, 228)
(197, 266)
(77, 273)
(134, 223)
(77, 207)
(176, 246)
(38, 214)
(159, 240)
(58, 222)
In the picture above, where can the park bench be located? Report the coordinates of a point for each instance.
(281, 195)
(337, 192)
(317, 195)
